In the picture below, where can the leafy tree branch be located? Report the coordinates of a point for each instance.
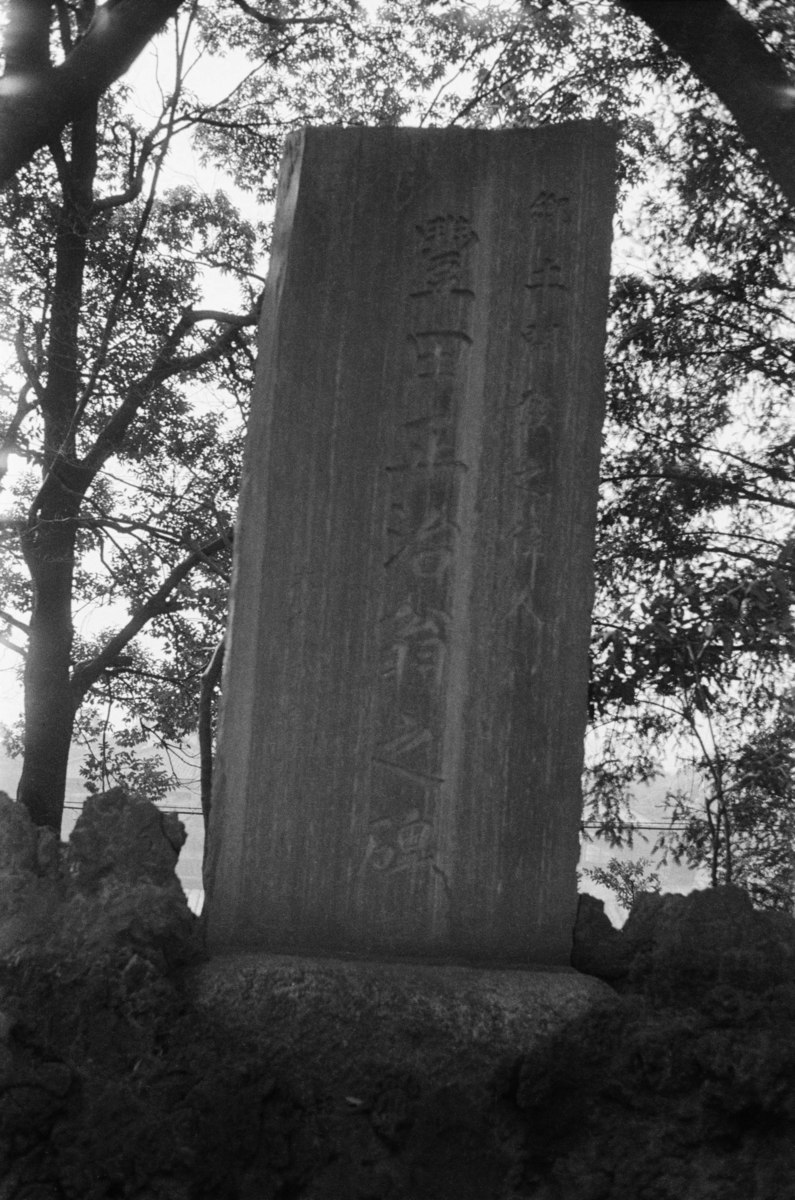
(725, 51)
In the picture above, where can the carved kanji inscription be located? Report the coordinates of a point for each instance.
(420, 546)
(401, 735)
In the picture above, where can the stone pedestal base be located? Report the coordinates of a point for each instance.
(420, 1017)
(401, 1074)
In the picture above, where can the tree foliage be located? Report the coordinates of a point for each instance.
(696, 548)
(626, 879)
(132, 469)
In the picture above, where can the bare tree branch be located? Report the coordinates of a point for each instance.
(165, 122)
(15, 621)
(76, 477)
(208, 560)
(64, 27)
(129, 526)
(26, 363)
(701, 479)
(9, 443)
(6, 641)
(209, 681)
(282, 23)
(135, 175)
(87, 673)
(102, 524)
(165, 366)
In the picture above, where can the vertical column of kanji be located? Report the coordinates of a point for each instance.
(403, 893)
(517, 804)
(544, 328)
(556, 406)
(537, 863)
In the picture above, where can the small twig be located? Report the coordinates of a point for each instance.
(9, 444)
(281, 23)
(6, 641)
(24, 359)
(86, 674)
(15, 621)
(209, 681)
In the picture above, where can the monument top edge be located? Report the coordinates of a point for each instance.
(563, 129)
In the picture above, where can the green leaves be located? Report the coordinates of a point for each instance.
(695, 570)
(627, 880)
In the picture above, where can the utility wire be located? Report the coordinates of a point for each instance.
(197, 812)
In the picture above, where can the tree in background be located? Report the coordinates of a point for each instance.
(39, 98)
(126, 391)
(744, 59)
(626, 880)
(132, 478)
(692, 633)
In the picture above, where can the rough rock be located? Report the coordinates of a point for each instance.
(244, 1079)
(598, 947)
(17, 839)
(425, 1018)
(679, 946)
(124, 837)
(123, 890)
(401, 1066)
(674, 947)
(25, 849)
(142, 917)
(30, 881)
(113, 886)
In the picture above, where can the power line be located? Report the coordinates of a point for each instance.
(77, 806)
(182, 810)
(634, 828)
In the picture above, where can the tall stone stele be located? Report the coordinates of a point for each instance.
(404, 705)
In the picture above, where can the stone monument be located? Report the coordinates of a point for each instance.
(399, 760)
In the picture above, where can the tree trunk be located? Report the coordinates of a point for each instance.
(48, 541)
(38, 101)
(49, 700)
(724, 50)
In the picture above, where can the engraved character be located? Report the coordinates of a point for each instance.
(418, 642)
(545, 311)
(443, 241)
(380, 852)
(438, 352)
(414, 837)
(428, 546)
(550, 209)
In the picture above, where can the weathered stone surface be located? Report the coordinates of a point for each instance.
(413, 1056)
(30, 882)
(431, 1020)
(598, 948)
(123, 889)
(676, 947)
(24, 849)
(113, 886)
(682, 945)
(215, 1085)
(132, 914)
(18, 840)
(129, 839)
(405, 691)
